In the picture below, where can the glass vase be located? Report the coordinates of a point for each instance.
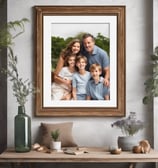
(22, 126)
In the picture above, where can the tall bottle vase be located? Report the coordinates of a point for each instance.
(22, 131)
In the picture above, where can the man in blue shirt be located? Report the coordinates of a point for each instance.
(95, 55)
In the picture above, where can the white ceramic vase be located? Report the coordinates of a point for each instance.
(56, 145)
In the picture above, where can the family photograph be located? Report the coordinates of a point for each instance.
(80, 67)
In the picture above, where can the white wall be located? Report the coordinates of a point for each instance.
(88, 131)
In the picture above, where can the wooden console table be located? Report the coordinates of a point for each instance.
(94, 155)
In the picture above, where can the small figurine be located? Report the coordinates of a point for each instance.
(143, 147)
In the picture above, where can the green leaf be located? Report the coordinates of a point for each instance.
(156, 50)
(154, 57)
(55, 134)
(146, 100)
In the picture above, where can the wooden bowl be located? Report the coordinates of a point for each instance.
(116, 151)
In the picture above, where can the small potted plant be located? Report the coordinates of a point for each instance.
(129, 126)
(56, 145)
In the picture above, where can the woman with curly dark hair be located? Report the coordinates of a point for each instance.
(72, 48)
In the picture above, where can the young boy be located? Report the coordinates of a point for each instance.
(80, 79)
(96, 90)
(63, 91)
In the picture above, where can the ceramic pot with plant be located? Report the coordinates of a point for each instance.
(56, 145)
(129, 126)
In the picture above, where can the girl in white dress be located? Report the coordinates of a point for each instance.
(62, 90)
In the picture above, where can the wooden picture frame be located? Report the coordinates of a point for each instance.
(46, 16)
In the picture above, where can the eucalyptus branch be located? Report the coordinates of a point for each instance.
(6, 37)
(15, 24)
(21, 88)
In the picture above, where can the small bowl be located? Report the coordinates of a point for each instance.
(116, 151)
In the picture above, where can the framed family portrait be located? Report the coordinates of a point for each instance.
(56, 27)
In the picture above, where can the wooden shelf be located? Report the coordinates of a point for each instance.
(97, 155)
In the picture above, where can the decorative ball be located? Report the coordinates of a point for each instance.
(137, 149)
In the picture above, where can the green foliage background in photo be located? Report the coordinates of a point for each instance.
(59, 43)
